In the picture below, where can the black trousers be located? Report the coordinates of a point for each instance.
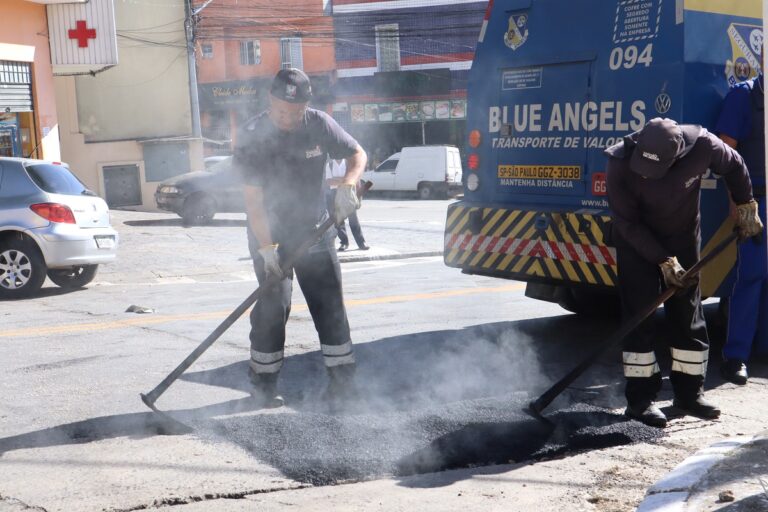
(341, 229)
(319, 276)
(640, 283)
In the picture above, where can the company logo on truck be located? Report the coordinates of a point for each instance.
(517, 33)
(545, 126)
(747, 51)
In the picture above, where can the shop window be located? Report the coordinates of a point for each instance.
(207, 51)
(250, 53)
(290, 53)
(388, 47)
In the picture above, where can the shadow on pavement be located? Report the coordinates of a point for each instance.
(427, 402)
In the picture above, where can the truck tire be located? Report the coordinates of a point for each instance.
(590, 303)
(75, 277)
(22, 268)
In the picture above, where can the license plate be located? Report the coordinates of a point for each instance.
(105, 242)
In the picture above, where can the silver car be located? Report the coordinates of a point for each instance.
(50, 224)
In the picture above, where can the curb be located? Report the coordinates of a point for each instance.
(396, 256)
(671, 493)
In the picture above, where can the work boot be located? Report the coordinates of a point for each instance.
(341, 389)
(698, 407)
(647, 413)
(264, 390)
(734, 370)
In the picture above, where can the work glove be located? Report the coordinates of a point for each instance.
(271, 262)
(346, 203)
(748, 223)
(673, 274)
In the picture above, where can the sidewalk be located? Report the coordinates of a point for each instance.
(728, 476)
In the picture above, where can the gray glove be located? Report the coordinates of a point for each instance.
(346, 202)
(748, 222)
(271, 262)
(673, 274)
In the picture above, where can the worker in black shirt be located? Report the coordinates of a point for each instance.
(281, 156)
(654, 182)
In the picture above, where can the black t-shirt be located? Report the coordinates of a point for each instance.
(290, 168)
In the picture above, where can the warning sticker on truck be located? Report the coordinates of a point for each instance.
(552, 172)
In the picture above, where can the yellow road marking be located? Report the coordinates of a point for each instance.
(213, 315)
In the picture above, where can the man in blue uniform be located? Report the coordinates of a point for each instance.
(742, 126)
(281, 155)
(654, 182)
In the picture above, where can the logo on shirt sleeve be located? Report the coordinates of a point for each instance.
(314, 153)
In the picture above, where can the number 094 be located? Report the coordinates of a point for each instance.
(630, 57)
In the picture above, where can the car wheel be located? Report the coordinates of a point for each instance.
(22, 269)
(198, 209)
(75, 277)
(426, 191)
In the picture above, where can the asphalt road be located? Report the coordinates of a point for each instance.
(446, 363)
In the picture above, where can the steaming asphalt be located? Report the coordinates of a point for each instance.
(446, 362)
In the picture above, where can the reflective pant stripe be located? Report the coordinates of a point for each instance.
(337, 350)
(266, 362)
(639, 358)
(689, 368)
(266, 368)
(690, 356)
(337, 355)
(331, 361)
(690, 362)
(647, 370)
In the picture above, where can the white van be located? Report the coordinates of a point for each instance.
(432, 171)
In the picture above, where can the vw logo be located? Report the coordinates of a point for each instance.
(663, 103)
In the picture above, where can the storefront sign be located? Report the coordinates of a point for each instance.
(414, 111)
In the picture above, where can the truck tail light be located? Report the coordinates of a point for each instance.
(474, 138)
(473, 162)
(54, 212)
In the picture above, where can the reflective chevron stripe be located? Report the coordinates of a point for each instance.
(520, 244)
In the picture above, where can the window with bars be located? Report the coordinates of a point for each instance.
(250, 53)
(388, 47)
(290, 53)
(207, 50)
(15, 72)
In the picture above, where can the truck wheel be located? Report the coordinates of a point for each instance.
(22, 268)
(198, 209)
(75, 277)
(426, 191)
(589, 302)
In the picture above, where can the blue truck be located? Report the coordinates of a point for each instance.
(555, 82)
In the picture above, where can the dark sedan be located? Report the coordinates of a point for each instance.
(197, 196)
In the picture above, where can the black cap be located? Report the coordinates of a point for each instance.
(658, 144)
(291, 85)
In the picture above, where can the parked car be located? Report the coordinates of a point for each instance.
(432, 171)
(50, 224)
(197, 196)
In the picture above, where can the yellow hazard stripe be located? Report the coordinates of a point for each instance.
(713, 275)
(744, 8)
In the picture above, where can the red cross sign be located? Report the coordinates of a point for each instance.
(82, 33)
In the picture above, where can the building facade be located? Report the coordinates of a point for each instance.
(240, 46)
(28, 117)
(402, 70)
(125, 119)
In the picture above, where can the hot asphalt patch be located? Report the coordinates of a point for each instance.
(324, 449)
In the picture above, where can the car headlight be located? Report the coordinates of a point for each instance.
(169, 190)
(473, 182)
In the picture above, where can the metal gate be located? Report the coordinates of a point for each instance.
(15, 86)
(122, 185)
